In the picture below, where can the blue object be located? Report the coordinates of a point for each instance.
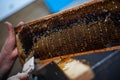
(56, 5)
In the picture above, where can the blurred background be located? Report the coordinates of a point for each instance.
(15, 11)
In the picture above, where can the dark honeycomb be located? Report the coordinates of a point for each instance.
(83, 29)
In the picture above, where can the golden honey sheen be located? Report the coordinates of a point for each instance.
(89, 27)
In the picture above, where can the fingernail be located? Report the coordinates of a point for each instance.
(8, 25)
(20, 23)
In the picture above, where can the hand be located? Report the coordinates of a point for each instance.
(19, 76)
(9, 51)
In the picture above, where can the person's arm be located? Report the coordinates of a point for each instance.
(9, 52)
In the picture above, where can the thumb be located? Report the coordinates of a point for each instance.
(22, 76)
(14, 53)
(10, 42)
(19, 76)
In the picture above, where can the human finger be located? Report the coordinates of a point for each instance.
(10, 42)
(20, 23)
(14, 53)
(22, 76)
